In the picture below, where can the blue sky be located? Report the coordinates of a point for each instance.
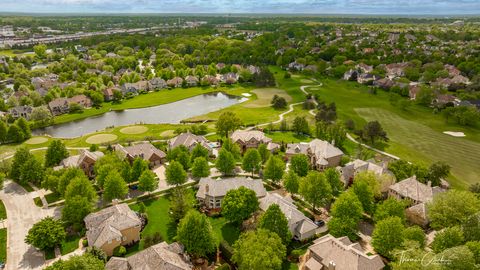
(409, 7)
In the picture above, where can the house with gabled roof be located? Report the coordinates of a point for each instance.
(157, 83)
(162, 256)
(322, 154)
(330, 253)
(191, 80)
(85, 160)
(299, 225)
(111, 227)
(249, 138)
(211, 191)
(348, 172)
(145, 151)
(59, 106)
(189, 140)
(175, 82)
(21, 111)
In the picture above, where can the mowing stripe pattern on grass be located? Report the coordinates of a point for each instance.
(461, 154)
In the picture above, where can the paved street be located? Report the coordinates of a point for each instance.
(22, 214)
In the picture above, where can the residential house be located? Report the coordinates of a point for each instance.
(350, 75)
(366, 78)
(210, 80)
(364, 68)
(190, 140)
(81, 100)
(175, 82)
(162, 256)
(111, 227)
(157, 83)
(459, 79)
(108, 94)
(85, 160)
(330, 253)
(395, 70)
(220, 66)
(211, 191)
(253, 69)
(134, 88)
(111, 55)
(384, 83)
(191, 80)
(249, 139)
(445, 100)
(368, 50)
(143, 150)
(59, 106)
(413, 91)
(41, 91)
(300, 226)
(452, 70)
(296, 66)
(322, 154)
(348, 172)
(230, 78)
(21, 111)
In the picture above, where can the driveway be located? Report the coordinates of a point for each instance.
(22, 213)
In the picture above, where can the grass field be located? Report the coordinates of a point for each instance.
(264, 97)
(3, 245)
(224, 230)
(416, 133)
(36, 140)
(70, 244)
(3, 211)
(101, 138)
(134, 130)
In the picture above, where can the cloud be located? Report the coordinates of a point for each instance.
(248, 6)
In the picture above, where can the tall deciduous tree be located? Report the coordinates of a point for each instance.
(78, 262)
(264, 152)
(46, 234)
(138, 167)
(200, 168)
(251, 161)
(32, 171)
(291, 182)
(365, 195)
(115, 187)
(388, 236)
(447, 238)
(175, 174)
(227, 122)
(275, 221)
(199, 151)
(437, 171)
(388, 208)
(182, 200)
(81, 186)
(373, 131)
(56, 152)
(346, 213)
(333, 178)
(75, 210)
(260, 250)
(299, 164)
(148, 181)
(225, 162)
(315, 189)
(196, 234)
(452, 208)
(471, 228)
(239, 204)
(274, 169)
(300, 125)
(22, 155)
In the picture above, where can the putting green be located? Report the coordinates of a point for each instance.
(134, 130)
(101, 138)
(167, 133)
(36, 140)
(306, 81)
(264, 97)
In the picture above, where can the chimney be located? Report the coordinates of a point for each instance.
(331, 265)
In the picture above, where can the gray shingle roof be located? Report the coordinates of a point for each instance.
(413, 189)
(247, 135)
(220, 187)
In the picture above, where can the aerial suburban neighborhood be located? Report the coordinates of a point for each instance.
(277, 135)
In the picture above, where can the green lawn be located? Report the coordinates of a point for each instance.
(416, 133)
(70, 244)
(158, 219)
(288, 137)
(38, 201)
(3, 211)
(3, 245)
(224, 230)
(52, 197)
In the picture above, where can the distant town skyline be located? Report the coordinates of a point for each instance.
(367, 7)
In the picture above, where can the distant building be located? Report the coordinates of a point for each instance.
(146, 151)
(59, 106)
(175, 82)
(85, 161)
(322, 154)
(190, 140)
(249, 139)
(348, 172)
(21, 111)
(157, 83)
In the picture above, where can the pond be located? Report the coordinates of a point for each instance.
(171, 113)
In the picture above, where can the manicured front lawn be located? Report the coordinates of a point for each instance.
(52, 197)
(27, 187)
(3, 211)
(158, 219)
(3, 245)
(224, 230)
(287, 137)
(70, 244)
(38, 201)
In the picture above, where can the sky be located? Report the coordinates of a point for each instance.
(405, 7)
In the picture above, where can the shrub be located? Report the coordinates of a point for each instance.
(119, 251)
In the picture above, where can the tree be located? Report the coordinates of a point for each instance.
(388, 208)
(66, 177)
(81, 186)
(32, 171)
(139, 166)
(115, 187)
(225, 162)
(182, 200)
(447, 238)
(22, 155)
(3, 131)
(437, 171)
(15, 134)
(260, 250)
(75, 210)
(388, 236)
(458, 258)
(232, 147)
(227, 121)
(300, 164)
(275, 221)
(471, 228)
(300, 125)
(474, 247)
(46, 234)
(24, 126)
(346, 213)
(199, 151)
(148, 181)
(333, 178)
(274, 169)
(278, 102)
(374, 131)
(78, 262)
(196, 234)
(239, 204)
(291, 182)
(416, 234)
(373, 181)
(264, 152)
(56, 152)
(364, 194)
(315, 189)
(452, 208)
(41, 116)
(40, 50)
(200, 168)
(175, 174)
(251, 161)
(184, 159)
(264, 78)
